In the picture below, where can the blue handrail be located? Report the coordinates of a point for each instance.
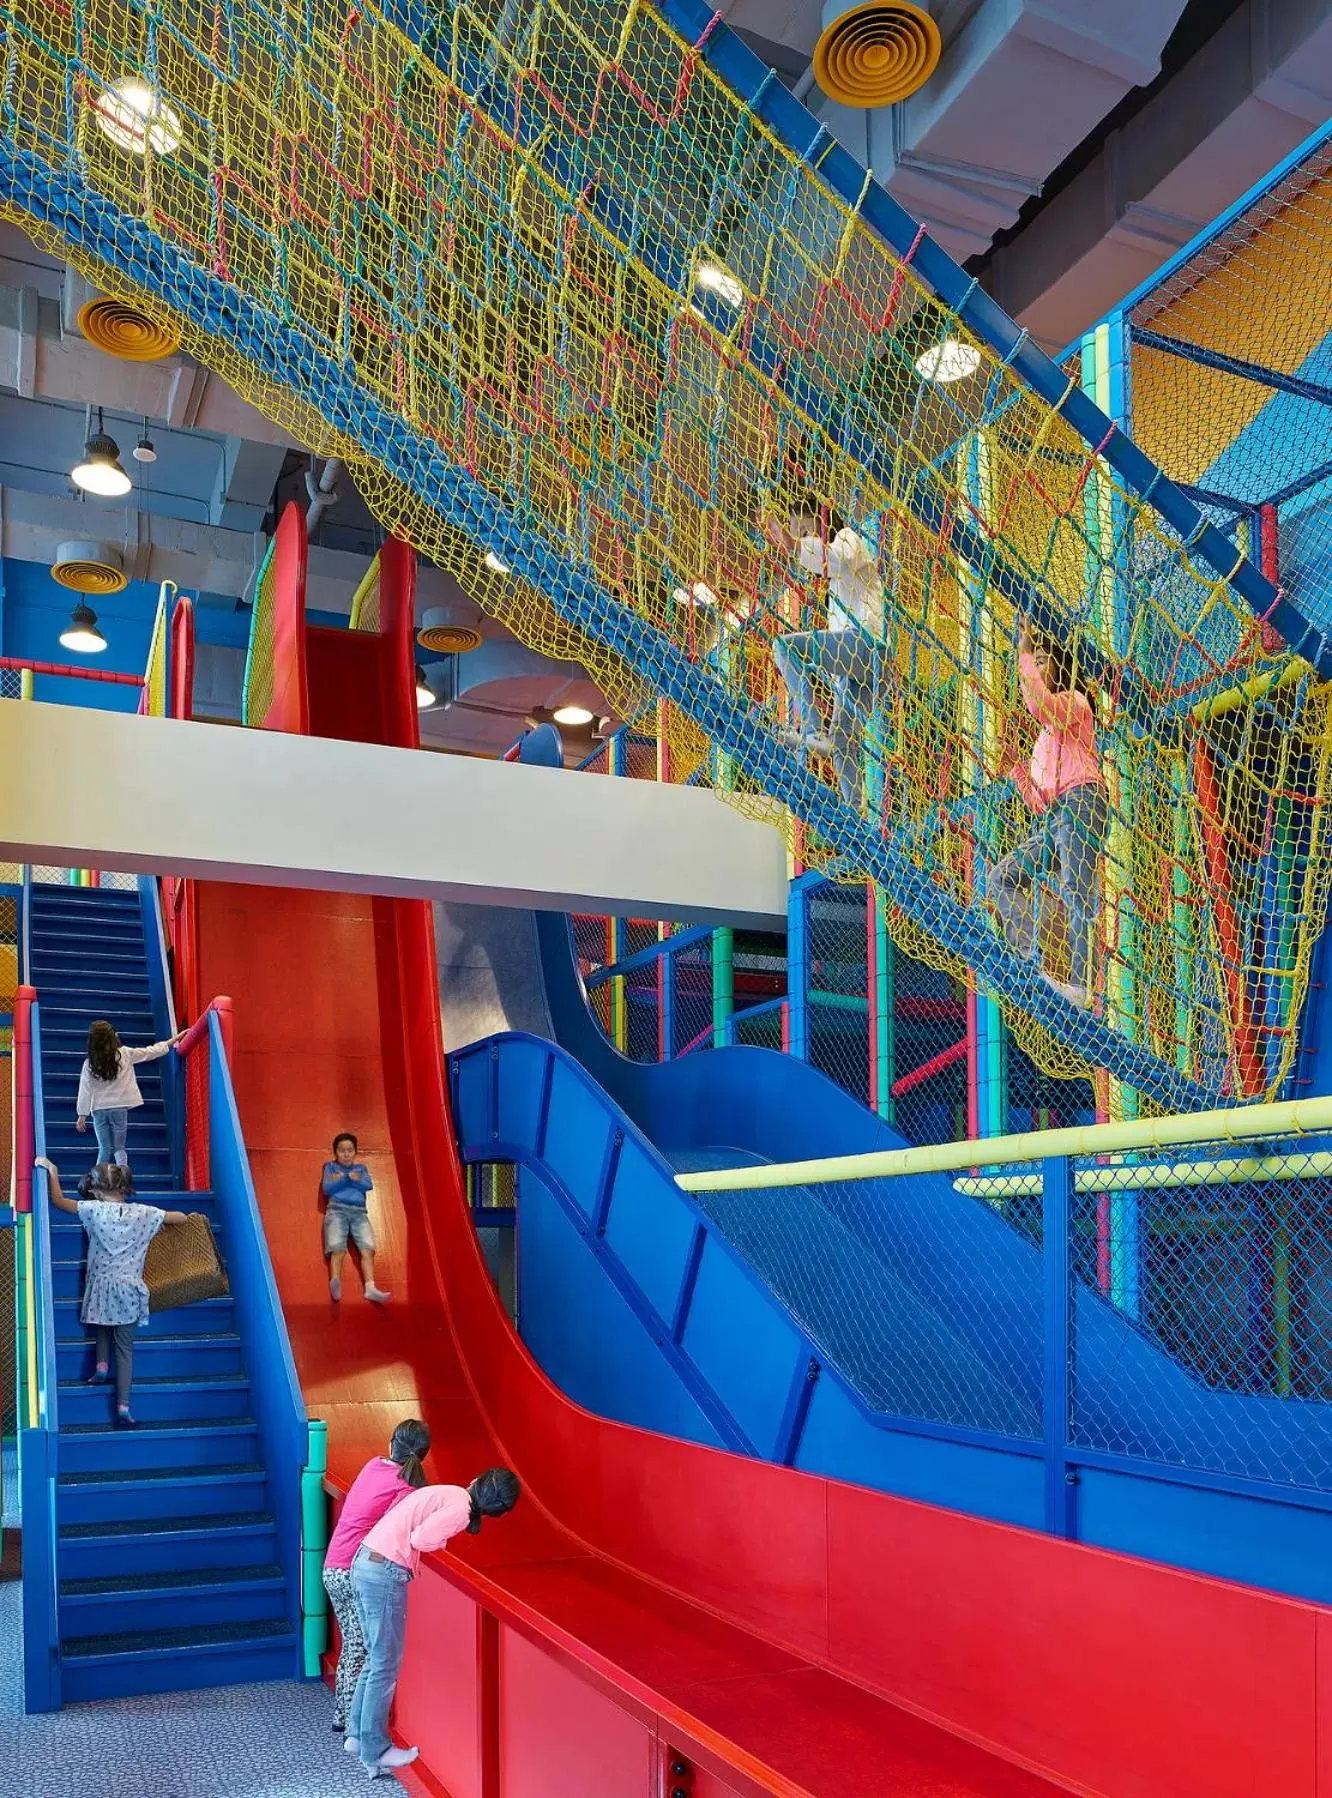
(275, 1389)
(38, 1446)
(47, 1376)
(644, 958)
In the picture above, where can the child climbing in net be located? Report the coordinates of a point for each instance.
(1064, 788)
(846, 655)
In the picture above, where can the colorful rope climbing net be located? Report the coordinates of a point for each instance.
(577, 318)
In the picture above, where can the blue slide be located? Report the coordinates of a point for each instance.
(888, 1332)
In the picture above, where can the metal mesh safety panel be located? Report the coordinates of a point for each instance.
(1204, 1325)
(1232, 376)
(551, 288)
(926, 1322)
(692, 972)
(839, 1043)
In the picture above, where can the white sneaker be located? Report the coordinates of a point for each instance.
(351, 1745)
(377, 1295)
(1076, 995)
(393, 1759)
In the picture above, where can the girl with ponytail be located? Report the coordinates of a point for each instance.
(380, 1485)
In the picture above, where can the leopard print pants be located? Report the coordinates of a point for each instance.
(338, 1585)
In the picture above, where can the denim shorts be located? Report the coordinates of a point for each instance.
(342, 1221)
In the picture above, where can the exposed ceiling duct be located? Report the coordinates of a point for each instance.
(44, 355)
(1248, 97)
(1018, 86)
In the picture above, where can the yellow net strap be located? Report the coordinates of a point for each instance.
(257, 686)
(365, 601)
(155, 671)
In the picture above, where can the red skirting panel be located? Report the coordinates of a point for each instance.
(559, 1738)
(439, 1703)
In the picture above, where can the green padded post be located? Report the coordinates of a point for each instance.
(314, 1543)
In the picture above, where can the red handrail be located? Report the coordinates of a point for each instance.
(67, 671)
(24, 1132)
(198, 1086)
(198, 1030)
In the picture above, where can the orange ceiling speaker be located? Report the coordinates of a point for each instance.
(448, 639)
(89, 568)
(877, 54)
(126, 331)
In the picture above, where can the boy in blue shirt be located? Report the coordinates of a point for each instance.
(345, 1183)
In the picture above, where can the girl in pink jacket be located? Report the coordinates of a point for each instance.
(1064, 789)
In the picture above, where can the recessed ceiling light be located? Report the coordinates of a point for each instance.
(948, 361)
(698, 593)
(136, 119)
(575, 716)
(81, 633)
(713, 277)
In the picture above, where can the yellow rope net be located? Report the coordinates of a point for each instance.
(581, 323)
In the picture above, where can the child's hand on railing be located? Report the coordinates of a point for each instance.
(50, 1166)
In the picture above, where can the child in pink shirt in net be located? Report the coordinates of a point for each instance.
(386, 1563)
(378, 1487)
(1065, 790)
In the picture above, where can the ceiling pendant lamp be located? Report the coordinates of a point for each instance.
(100, 472)
(82, 634)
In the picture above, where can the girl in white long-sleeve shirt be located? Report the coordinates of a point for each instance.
(109, 1089)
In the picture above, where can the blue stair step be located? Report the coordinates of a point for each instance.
(157, 1400)
(176, 1660)
(165, 1544)
(95, 1497)
(156, 1354)
(66, 1024)
(130, 1604)
(56, 970)
(210, 1317)
(206, 1442)
(66, 1031)
(153, 1188)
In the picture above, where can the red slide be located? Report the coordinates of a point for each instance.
(659, 1618)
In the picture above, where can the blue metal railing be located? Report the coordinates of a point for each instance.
(39, 1465)
(279, 1408)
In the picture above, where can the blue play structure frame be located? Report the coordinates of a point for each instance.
(643, 1305)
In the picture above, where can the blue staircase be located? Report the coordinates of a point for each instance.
(167, 1558)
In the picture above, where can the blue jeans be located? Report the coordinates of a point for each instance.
(111, 1129)
(380, 1590)
(1062, 850)
(846, 660)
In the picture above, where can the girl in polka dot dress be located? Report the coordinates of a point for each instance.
(115, 1298)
